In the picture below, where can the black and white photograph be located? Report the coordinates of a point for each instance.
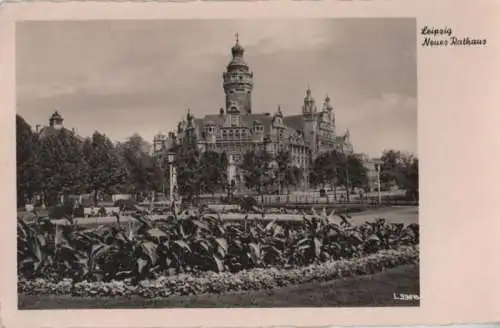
(217, 163)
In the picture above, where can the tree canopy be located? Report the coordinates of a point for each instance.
(61, 163)
(257, 170)
(107, 173)
(63, 167)
(213, 169)
(28, 172)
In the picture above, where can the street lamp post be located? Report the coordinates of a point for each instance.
(378, 166)
(279, 167)
(345, 159)
(171, 157)
(265, 143)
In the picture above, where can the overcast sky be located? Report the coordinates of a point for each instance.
(122, 77)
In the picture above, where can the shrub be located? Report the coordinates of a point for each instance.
(126, 204)
(247, 204)
(210, 282)
(61, 211)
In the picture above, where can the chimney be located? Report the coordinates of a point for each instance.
(37, 128)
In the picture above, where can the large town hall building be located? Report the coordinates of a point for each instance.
(239, 127)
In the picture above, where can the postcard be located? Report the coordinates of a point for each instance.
(249, 164)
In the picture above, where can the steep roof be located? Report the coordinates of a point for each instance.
(296, 122)
(245, 120)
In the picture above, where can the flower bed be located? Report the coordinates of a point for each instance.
(211, 282)
(145, 250)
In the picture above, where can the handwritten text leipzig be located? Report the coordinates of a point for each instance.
(444, 37)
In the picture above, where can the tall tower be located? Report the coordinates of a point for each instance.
(238, 82)
(310, 123)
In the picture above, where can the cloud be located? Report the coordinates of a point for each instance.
(385, 122)
(122, 77)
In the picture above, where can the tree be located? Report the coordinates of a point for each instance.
(413, 178)
(319, 170)
(257, 170)
(390, 170)
(287, 174)
(143, 173)
(28, 172)
(187, 163)
(400, 169)
(293, 176)
(213, 165)
(327, 169)
(63, 167)
(107, 174)
(358, 173)
(408, 177)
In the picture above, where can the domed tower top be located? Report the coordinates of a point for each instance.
(56, 120)
(237, 50)
(238, 81)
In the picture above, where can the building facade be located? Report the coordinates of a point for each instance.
(238, 127)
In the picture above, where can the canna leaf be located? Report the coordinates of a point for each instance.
(317, 247)
(200, 225)
(222, 244)
(219, 263)
(182, 245)
(156, 233)
(149, 249)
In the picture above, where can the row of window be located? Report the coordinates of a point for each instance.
(238, 90)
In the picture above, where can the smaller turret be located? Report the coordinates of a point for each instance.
(279, 113)
(309, 107)
(328, 105)
(56, 120)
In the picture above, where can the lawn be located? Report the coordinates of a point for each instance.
(367, 291)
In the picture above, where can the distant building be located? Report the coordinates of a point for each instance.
(55, 126)
(238, 128)
(372, 172)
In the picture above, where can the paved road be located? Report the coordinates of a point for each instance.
(403, 214)
(396, 214)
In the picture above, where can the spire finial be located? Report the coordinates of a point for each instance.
(237, 38)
